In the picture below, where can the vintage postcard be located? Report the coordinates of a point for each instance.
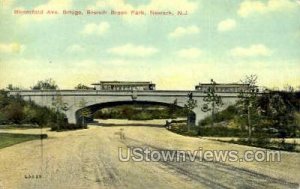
(132, 94)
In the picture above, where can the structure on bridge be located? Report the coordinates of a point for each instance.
(75, 100)
(124, 85)
(222, 87)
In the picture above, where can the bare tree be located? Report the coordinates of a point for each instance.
(59, 105)
(212, 101)
(247, 98)
(288, 88)
(84, 112)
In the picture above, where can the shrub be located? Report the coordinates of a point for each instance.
(264, 142)
(191, 133)
(14, 112)
(221, 132)
(178, 128)
(182, 128)
(139, 112)
(228, 114)
(282, 145)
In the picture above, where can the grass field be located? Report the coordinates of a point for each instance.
(9, 139)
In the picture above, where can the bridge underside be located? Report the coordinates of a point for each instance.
(96, 107)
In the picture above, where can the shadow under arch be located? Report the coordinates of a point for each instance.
(98, 106)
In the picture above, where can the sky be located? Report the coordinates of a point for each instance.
(224, 40)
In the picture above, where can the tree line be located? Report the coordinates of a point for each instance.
(272, 110)
(47, 84)
(15, 110)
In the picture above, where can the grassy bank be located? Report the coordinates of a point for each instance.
(9, 139)
(19, 126)
(262, 140)
(267, 143)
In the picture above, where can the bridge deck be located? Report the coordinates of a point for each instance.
(114, 93)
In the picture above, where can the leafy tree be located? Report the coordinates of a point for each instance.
(280, 114)
(81, 86)
(46, 84)
(212, 101)
(247, 100)
(278, 110)
(12, 88)
(14, 112)
(31, 114)
(3, 118)
(4, 100)
(127, 112)
(190, 105)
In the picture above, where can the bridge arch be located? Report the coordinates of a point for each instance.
(98, 106)
(92, 97)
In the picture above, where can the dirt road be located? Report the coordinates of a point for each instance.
(89, 159)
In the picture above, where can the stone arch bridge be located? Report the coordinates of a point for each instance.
(97, 99)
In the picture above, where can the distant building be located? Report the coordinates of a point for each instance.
(223, 87)
(124, 85)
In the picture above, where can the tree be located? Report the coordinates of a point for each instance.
(288, 88)
(172, 108)
(59, 106)
(280, 112)
(12, 88)
(189, 107)
(3, 118)
(31, 114)
(81, 86)
(46, 84)
(84, 112)
(4, 99)
(14, 112)
(247, 99)
(212, 101)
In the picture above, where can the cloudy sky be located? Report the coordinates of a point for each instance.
(221, 39)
